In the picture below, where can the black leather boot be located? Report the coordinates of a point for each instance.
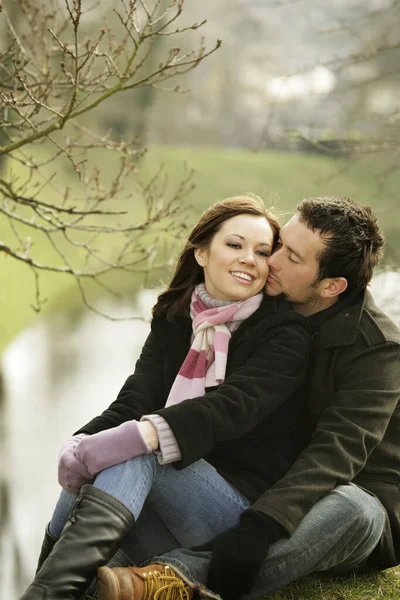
(92, 535)
(47, 547)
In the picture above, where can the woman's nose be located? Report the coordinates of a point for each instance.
(248, 258)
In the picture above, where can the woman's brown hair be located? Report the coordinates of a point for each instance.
(175, 300)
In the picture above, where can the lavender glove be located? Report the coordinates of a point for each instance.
(111, 447)
(72, 474)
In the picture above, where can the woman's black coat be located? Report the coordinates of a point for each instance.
(245, 427)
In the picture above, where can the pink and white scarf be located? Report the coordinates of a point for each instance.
(213, 324)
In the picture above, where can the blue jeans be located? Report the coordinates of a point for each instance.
(337, 536)
(192, 505)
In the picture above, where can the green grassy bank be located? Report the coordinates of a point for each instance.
(377, 586)
(282, 179)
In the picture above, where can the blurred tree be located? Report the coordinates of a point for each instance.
(217, 112)
(361, 114)
(53, 76)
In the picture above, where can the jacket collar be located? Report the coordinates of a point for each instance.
(341, 328)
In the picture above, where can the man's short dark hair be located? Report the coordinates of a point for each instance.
(352, 237)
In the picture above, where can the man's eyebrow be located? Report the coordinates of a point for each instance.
(292, 251)
(243, 238)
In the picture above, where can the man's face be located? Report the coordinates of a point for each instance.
(293, 268)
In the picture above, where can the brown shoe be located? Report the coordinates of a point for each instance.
(154, 582)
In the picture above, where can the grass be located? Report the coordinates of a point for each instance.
(282, 179)
(375, 586)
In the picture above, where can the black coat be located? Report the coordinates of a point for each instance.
(245, 426)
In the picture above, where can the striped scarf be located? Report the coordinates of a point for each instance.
(213, 323)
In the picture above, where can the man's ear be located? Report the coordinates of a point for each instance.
(333, 286)
(200, 255)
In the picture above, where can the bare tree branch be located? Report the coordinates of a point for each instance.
(53, 73)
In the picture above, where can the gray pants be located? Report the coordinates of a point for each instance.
(336, 536)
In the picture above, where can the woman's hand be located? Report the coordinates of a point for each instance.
(113, 446)
(72, 474)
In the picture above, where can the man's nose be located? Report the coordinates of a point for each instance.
(273, 260)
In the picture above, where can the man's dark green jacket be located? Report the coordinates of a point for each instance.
(354, 399)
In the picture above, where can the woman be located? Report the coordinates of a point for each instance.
(189, 398)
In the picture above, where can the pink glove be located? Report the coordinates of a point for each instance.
(72, 474)
(111, 447)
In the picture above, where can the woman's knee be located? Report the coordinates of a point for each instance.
(129, 482)
(128, 468)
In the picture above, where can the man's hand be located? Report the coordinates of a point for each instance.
(239, 553)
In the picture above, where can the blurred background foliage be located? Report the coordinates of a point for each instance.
(301, 99)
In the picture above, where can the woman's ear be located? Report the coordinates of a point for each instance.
(200, 255)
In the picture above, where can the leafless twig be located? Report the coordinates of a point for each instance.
(52, 75)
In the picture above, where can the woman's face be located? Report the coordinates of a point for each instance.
(235, 262)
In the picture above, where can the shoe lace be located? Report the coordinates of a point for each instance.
(165, 585)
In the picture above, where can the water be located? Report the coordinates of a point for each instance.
(57, 376)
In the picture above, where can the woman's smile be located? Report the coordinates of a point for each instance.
(242, 277)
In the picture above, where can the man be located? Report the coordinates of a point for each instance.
(338, 507)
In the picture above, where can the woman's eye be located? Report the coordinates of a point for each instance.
(234, 245)
(263, 253)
